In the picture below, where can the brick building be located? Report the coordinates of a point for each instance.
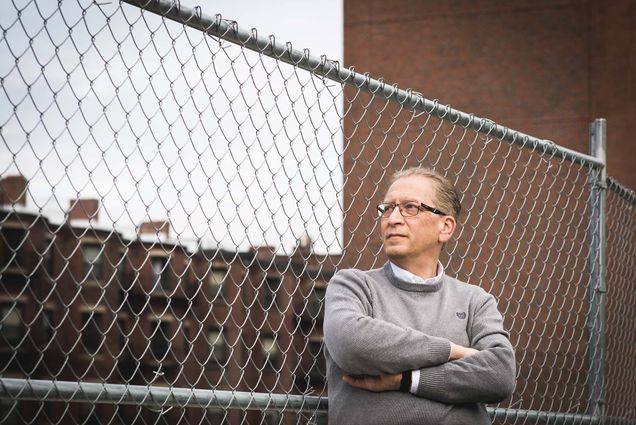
(545, 68)
(81, 301)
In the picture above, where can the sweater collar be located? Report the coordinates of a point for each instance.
(432, 285)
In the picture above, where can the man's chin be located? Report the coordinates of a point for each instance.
(394, 252)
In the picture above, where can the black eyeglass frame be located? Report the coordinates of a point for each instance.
(382, 208)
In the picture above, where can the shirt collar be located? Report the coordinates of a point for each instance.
(407, 276)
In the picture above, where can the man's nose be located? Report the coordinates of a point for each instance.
(395, 216)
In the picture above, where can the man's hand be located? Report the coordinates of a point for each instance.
(374, 383)
(459, 352)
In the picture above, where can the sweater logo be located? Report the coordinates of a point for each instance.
(461, 315)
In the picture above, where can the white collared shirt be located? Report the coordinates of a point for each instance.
(407, 276)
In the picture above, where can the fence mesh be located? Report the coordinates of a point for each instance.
(621, 281)
(174, 205)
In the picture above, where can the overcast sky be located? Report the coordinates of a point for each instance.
(316, 25)
(165, 123)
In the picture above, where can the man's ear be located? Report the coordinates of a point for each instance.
(447, 228)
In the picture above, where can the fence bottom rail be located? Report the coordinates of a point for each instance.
(163, 397)
(153, 396)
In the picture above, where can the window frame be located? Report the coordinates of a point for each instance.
(271, 298)
(217, 289)
(96, 317)
(214, 360)
(270, 362)
(159, 336)
(12, 258)
(92, 270)
(159, 279)
(7, 310)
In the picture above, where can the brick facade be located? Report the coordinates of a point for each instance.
(101, 307)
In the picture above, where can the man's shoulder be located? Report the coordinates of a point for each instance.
(468, 289)
(357, 277)
(357, 274)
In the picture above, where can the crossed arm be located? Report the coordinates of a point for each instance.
(372, 350)
(391, 382)
(483, 377)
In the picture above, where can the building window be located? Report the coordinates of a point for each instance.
(218, 348)
(47, 325)
(271, 352)
(48, 261)
(315, 303)
(272, 293)
(92, 336)
(9, 414)
(318, 368)
(154, 417)
(12, 239)
(272, 418)
(123, 330)
(216, 416)
(319, 418)
(216, 283)
(92, 262)
(187, 343)
(89, 414)
(11, 325)
(119, 270)
(159, 267)
(160, 340)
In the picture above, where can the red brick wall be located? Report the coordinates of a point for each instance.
(545, 68)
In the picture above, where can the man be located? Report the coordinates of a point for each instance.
(407, 344)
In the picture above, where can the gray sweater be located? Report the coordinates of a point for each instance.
(375, 324)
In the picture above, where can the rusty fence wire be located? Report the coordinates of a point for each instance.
(177, 191)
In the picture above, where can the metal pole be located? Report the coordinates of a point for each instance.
(321, 66)
(597, 289)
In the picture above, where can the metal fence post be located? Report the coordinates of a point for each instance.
(597, 289)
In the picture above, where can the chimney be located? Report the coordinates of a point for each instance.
(263, 251)
(304, 245)
(13, 190)
(305, 242)
(83, 209)
(155, 228)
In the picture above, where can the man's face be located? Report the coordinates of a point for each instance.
(409, 239)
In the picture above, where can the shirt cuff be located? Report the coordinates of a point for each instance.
(415, 380)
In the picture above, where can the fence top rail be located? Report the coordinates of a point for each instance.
(622, 191)
(230, 31)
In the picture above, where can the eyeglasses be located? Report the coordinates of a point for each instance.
(407, 209)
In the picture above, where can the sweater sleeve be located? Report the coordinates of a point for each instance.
(484, 377)
(360, 344)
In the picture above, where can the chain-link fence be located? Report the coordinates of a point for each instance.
(177, 192)
(620, 380)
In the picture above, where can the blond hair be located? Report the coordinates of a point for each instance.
(447, 198)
